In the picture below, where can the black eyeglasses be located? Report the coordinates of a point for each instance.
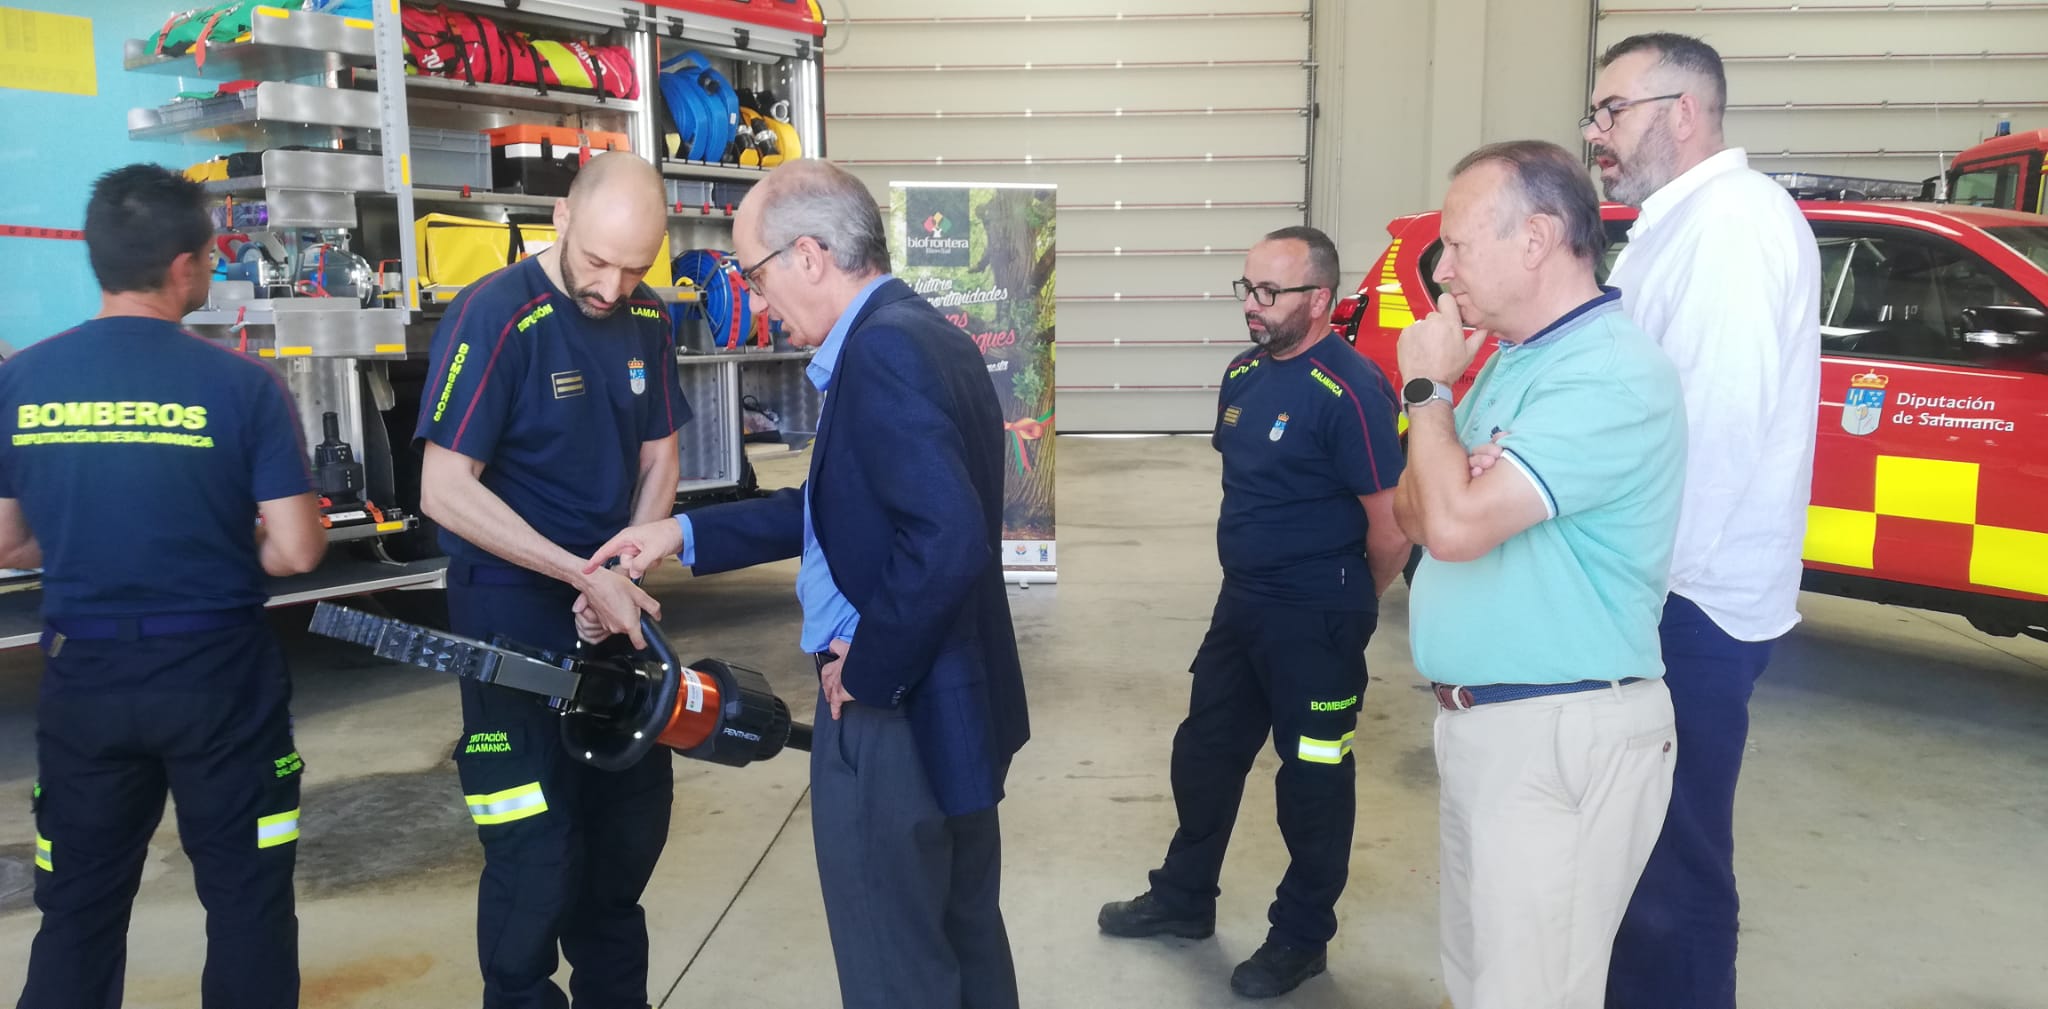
(1602, 116)
(748, 274)
(1265, 294)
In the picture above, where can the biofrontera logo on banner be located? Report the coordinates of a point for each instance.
(936, 226)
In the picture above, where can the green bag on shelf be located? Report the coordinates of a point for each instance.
(222, 22)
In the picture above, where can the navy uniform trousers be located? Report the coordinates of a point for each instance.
(568, 848)
(1300, 675)
(128, 711)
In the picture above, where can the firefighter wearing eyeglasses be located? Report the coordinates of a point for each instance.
(1311, 453)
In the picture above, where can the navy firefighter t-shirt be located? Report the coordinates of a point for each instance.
(1302, 440)
(138, 453)
(554, 404)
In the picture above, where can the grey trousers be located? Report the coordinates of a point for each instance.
(911, 895)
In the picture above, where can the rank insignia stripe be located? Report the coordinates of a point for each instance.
(567, 384)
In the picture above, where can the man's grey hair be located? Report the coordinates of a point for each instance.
(1686, 55)
(1322, 253)
(1550, 181)
(820, 200)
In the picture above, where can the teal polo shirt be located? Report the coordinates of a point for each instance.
(1595, 419)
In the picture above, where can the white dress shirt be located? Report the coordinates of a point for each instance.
(1721, 269)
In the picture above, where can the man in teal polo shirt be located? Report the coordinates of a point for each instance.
(1535, 612)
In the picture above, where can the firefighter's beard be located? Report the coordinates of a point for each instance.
(1278, 334)
(589, 302)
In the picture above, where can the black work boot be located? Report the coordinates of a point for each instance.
(1276, 969)
(1144, 915)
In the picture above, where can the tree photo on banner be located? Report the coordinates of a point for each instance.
(984, 255)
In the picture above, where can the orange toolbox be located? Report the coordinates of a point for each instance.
(543, 160)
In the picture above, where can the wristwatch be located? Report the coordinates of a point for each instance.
(1419, 391)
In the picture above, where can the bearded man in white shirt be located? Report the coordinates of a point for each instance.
(1722, 271)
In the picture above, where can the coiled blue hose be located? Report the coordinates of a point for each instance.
(717, 294)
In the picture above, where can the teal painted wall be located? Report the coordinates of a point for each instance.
(56, 146)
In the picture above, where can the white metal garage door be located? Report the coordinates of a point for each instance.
(1863, 89)
(1176, 130)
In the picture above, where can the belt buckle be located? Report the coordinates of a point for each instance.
(1452, 698)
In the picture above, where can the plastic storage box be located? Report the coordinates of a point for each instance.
(543, 160)
(448, 159)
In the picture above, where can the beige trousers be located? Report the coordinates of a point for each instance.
(1549, 807)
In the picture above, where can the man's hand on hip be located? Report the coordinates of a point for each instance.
(829, 677)
(639, 548)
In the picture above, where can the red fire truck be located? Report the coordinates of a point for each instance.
(1929, 487)
(2009, 171)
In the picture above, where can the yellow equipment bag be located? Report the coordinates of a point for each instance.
(458, 251)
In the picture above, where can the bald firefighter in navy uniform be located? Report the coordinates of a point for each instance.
(137, 461)
(1307, 539)
(550, 423)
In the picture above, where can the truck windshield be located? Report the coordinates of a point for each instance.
(2029, 240)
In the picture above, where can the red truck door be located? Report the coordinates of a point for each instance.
(1924, 470)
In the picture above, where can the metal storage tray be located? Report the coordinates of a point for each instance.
(283, 44)
(313, 327)
(526, 97)
(675, 169)
(323, 171)
(257, 110)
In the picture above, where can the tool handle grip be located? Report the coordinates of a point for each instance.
(799, 737)
(624, 744)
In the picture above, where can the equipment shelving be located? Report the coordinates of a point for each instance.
(331, 84)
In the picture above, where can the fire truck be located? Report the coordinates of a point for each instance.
(1928, 483)
(2010, 171)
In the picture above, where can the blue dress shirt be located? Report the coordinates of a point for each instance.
(828, 616)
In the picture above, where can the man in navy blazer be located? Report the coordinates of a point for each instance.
(921, 697)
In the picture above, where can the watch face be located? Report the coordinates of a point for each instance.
(1418, 390)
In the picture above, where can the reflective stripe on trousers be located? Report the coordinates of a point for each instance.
(509, 805)
(1325, 751)
(276, 829)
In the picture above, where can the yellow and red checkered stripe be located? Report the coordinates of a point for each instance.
(1928, 521)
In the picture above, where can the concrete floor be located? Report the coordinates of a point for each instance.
(1891, 820)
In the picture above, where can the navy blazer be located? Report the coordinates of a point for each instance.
(906, 488)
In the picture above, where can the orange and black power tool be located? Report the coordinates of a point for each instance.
(616, 702)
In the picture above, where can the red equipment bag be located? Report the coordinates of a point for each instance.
(612, 69)
(522, 64)
(445, 43)
(474, 48)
